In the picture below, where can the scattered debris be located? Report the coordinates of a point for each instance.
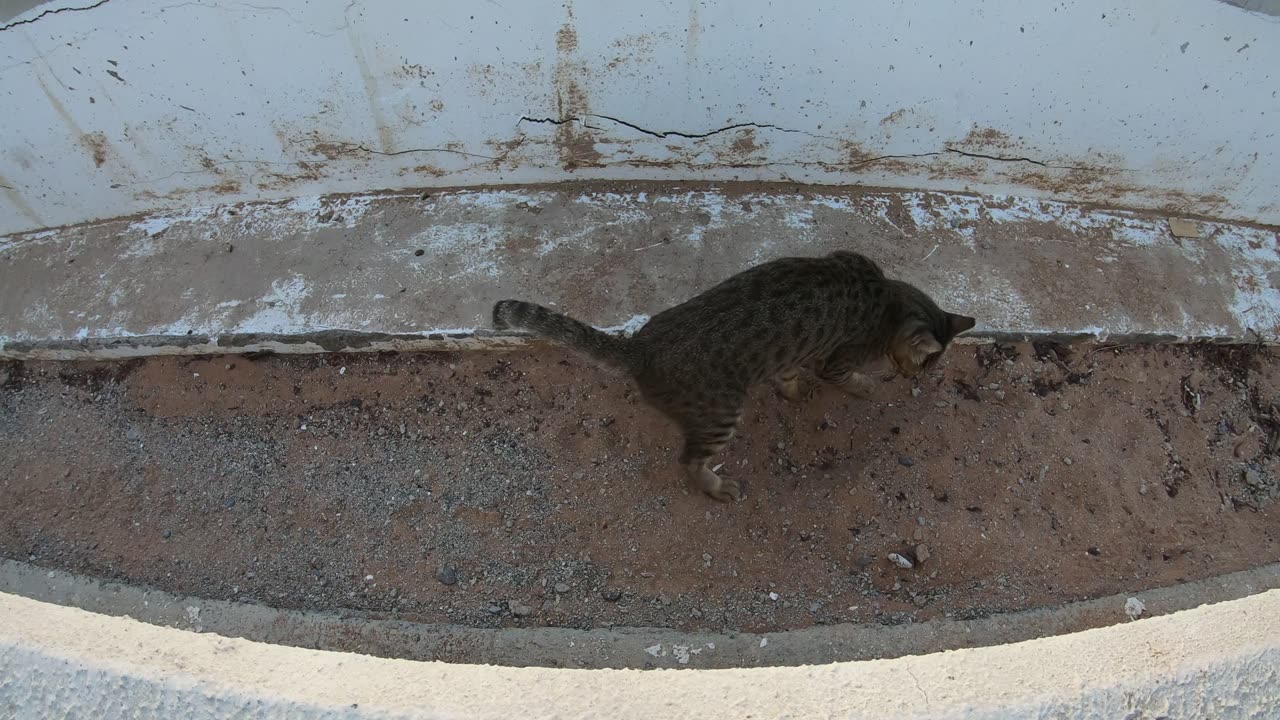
(1133, 607)
(1184, 228)
(901, 561)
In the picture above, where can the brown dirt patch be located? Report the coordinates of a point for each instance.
(1032, 475)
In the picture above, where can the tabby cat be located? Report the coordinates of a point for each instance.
(694, 362)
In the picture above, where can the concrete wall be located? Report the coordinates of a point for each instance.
(124, 107)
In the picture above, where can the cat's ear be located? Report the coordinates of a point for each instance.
(957, 324)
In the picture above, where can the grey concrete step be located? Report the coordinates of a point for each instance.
(421, 270)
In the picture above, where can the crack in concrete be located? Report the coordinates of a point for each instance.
(659, 133)
(410, 151)
(55, 11)
(1000, 158)
(663, 134)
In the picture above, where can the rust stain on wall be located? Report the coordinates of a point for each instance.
(980, 137)
(573, 139)
(566, 39)
(96, 144)
(894, 116)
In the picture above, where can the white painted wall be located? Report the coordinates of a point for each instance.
(126, 107)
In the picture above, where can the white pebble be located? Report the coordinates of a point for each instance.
(900, 561)
(1133, 607)
(342, 370)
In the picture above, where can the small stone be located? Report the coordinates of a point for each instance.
(1133, 607)
(447, 574)
(611, 594)
(773, 596)
(519, 609)
(229, 503)
(1253, 477)
(906, 461)
(167, 534)
(342, 370)
(918, 534)
(941, 403)
(901, 561)
(1067, 461)
(562, 588)
(133, 434)
(706, 559)
(922, 553)
(494, 609)
(579, 475)
(999, 394)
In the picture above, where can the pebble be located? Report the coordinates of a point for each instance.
(941, 403)
(915, 392)
(918, 534)
(562, 588)
(519, 609)
(579, 475)
(447, 574)
(1067, 461)
(1253, 477)
(1133, 607)
(167, 533)
(906, 461)
(773, 596)
(133, 434)
(612, 594)
(999, 394)
(900, 561)
(706, 559)
(922, 553)
(229, 503)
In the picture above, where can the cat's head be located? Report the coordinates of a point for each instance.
(924, 331)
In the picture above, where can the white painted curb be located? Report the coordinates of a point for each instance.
(1220, 661)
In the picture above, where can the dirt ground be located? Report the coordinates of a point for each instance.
(534, 488)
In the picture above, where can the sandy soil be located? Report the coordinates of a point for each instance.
(535, 488)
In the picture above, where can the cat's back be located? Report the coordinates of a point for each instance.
(772, 298)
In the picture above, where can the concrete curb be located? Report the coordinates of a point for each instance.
(636, 648)
(1217, 661)
(405, 271)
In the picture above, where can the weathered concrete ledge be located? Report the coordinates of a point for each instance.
(617, 647)
(411, 271)
(1215, 661)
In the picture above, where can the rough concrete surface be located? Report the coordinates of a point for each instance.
(273, 102)
(422, 269)
(1220, 661)
(612, 647)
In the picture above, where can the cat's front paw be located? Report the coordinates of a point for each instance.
(722, 489)
(859, 386)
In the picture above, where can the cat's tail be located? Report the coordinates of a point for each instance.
(547, 323)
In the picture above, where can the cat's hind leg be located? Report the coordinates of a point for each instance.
(704, 436)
